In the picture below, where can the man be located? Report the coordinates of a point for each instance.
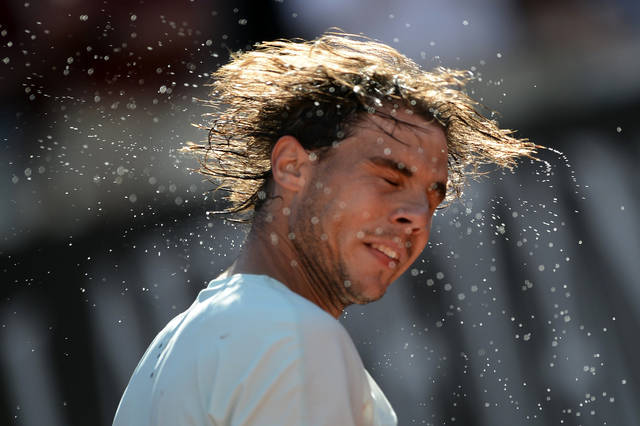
(338, 151)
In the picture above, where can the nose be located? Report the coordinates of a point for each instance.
(413, 218)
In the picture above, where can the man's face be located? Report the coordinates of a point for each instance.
(365, 216)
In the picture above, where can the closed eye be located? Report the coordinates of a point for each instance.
(390, 181)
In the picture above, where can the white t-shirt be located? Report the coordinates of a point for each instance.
(249, 351)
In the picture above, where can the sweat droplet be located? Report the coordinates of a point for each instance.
(347, 283)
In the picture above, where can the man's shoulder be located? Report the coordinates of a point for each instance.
(248, 341)
(244, 319)
(256, 303)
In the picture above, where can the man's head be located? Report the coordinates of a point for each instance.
(347, 147)
(359, 216)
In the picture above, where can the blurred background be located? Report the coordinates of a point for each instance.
(523, 310)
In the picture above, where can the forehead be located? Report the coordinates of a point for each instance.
(402, 136)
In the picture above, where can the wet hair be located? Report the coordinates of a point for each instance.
(316, 91)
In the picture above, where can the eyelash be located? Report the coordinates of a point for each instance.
(390, 182)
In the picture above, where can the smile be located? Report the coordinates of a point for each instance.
(386, 250)
(385, 255)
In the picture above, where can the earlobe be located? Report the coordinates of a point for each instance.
(289, 163)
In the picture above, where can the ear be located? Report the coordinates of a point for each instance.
(290, 164)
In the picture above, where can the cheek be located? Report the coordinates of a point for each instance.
(343, 226)
(365, 202)
(348, 206)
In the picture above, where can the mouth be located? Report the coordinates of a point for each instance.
(385, 254)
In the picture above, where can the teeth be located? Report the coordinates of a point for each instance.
(386, 250)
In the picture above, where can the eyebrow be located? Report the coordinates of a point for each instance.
(439, 186)
(391, 164)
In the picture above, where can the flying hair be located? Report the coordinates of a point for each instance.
(316, 91)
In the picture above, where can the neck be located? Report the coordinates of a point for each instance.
(268, 251)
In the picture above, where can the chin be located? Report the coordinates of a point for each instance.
(367, 293)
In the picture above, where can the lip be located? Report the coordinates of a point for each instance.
(383, 258)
